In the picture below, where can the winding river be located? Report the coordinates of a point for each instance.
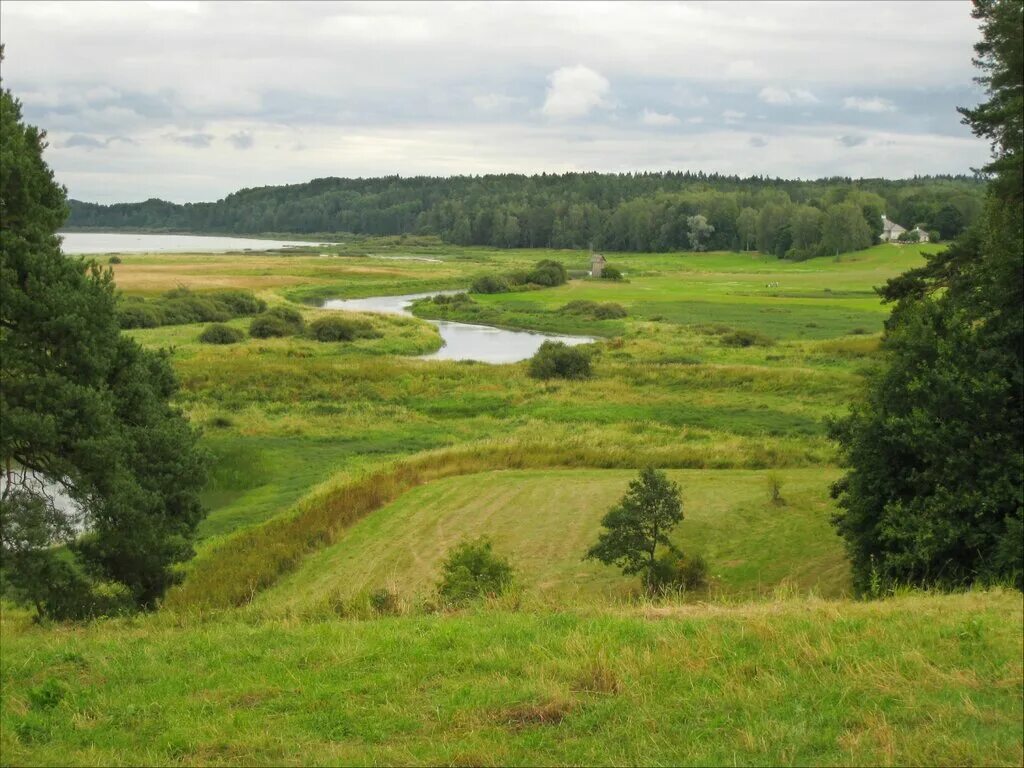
(462, 341)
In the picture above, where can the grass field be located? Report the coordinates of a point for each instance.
(337, 469)
(931, 680)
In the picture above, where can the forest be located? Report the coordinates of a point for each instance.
(648, 212)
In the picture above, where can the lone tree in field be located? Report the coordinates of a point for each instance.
(83, 409)
(638, 524)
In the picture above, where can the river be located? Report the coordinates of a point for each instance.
(462, 341)
(129, 242)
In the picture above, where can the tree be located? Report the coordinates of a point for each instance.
(746, 227)
(844, 229)
(699, 232)
(638, 524)
(472, 570)
(83, 409)
(933, 491)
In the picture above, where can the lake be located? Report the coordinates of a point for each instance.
(128, 242)
(462, 341)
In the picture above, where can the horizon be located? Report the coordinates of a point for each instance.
(281, 94)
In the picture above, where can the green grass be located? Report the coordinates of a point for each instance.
(544, 522)
(933, 680)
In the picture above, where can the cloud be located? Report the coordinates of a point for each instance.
(780, 96)
(195, 140)
(875, 104)
(574, 92)
(658, 119)
(758, 141)
(696, 120)
(850, 141)
(495, 102)
(86, 142)
(240, 140)
(731, 116)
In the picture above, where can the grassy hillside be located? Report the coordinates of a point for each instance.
(932, 680)
(544, 521)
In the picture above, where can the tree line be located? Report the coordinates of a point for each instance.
(618, 212)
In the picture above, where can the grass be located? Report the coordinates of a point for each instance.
(341, 468)
(932, 680)
(544, 521)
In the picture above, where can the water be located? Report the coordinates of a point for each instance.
(462, 341)
(125, 242)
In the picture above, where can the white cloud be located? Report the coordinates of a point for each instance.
(731, 116)
(658, 119)
(574, 92)
(696, 120)
(875, 104)
(781, 96)
(494, 102)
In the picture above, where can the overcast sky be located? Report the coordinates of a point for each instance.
(189, 101)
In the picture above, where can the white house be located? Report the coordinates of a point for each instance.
(890, 230)
(922, 234)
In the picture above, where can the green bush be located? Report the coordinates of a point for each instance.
(139, 315)
(611, 273)
(491, 284)
(606, 311)
(548, 273)
(240, 303)
(218, 333)
(114, 260)
(341, 329)
(276, 322)
(181, 306)
(557, 360)
(747, 339)
(471, 571)
(610, 311)
(673, 572)
(456, 299)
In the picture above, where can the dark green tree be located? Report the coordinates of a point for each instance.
(640, 523)
(83, 409)
(933, 495)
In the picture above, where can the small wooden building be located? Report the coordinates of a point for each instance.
(597, 262)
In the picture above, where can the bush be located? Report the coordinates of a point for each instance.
(557, 360)
(471, 571)
(181, 306)
(452, 299)
(548, 273)
(611, 273)
(491, 284)
(276, 322)
(610, 311)
(607, 311)
(218, 333)
(746, 339)
(341, 329)
(114, 260)
(674, 572)
(240, 303)
(139, 315)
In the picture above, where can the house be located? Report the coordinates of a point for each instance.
(890, 230)
(922, 234)
(597, 262)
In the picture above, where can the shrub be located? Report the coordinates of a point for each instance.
(218, 333)
(114, 260)
(491, 284)
(746, 339)
(610, 311)
(452, 299)
(471, 571)
(385, 602)
(557, 360)
(607, 311)
(180, 306)
(276, 321)
(674, 572)
(548, 273)
(611, 273)
(139, 315)
(240, 303)
(341, 329)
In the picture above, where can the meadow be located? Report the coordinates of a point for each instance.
(339, 469)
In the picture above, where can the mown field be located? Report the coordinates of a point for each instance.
(338, 469)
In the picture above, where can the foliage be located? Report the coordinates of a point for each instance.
(746, 339)
(491, 284)
(614, 212)
(114, 260)
(471, 571)
(276, 322)
(548, 273)
(698, 232)
(674, 572)
(557, 360)
(181, 306)
(597, 310)
(611, 273)
(933, 494)
(638, 524)
(337, 328)
(84, 407)
(218, 333)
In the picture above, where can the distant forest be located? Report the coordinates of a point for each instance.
(615, 212)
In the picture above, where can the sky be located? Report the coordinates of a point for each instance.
(189, 101)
